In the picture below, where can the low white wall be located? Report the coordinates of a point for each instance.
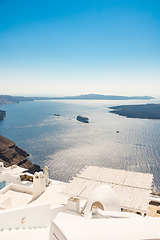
(21, 188)
(6, 188)
(36, 216)
(4, 176)
(18, 188)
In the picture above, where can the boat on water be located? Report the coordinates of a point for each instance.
(82, 119)
(56, 114)
(84, 209)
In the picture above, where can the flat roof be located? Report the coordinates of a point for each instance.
(132, 188)
(17, 199)
(134, 228)
(52, 195)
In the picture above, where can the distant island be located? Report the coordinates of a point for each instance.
(145, 111)
(96, 97)
(7, 99)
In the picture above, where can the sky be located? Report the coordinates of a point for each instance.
(72, 47)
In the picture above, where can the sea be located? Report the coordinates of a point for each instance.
(66, 145)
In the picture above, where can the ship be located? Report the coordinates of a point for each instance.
(82, 119)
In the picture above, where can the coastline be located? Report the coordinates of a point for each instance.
(11, 154)
(144, 111)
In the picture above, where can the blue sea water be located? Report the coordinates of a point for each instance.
(66, 145)
(2, 184)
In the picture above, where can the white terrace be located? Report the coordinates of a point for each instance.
(132, 188)
(88, 208)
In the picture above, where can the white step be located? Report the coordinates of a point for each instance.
(25, 234)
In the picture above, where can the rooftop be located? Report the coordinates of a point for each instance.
(132, 188)
(41, 208)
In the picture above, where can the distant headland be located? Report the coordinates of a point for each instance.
(97, 97)
(145, 111)
(7, 99)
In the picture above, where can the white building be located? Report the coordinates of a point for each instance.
(86, 208)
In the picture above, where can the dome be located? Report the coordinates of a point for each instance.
(104, 198)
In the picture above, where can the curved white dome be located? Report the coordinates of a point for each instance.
(105, 198)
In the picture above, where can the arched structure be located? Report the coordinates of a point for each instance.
(104, 198)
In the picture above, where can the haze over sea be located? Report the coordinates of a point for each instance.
(66, 145)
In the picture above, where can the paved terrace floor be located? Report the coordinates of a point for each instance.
(52, 195)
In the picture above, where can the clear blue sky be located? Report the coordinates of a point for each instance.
(72, 47)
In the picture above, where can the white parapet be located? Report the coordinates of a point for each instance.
(10, 178)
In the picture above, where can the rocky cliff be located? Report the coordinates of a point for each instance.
(11, 154)
(7, 99)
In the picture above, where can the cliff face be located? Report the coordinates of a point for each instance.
(7, 99)
(11, 154)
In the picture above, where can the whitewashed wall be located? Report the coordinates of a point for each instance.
(35, 216)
